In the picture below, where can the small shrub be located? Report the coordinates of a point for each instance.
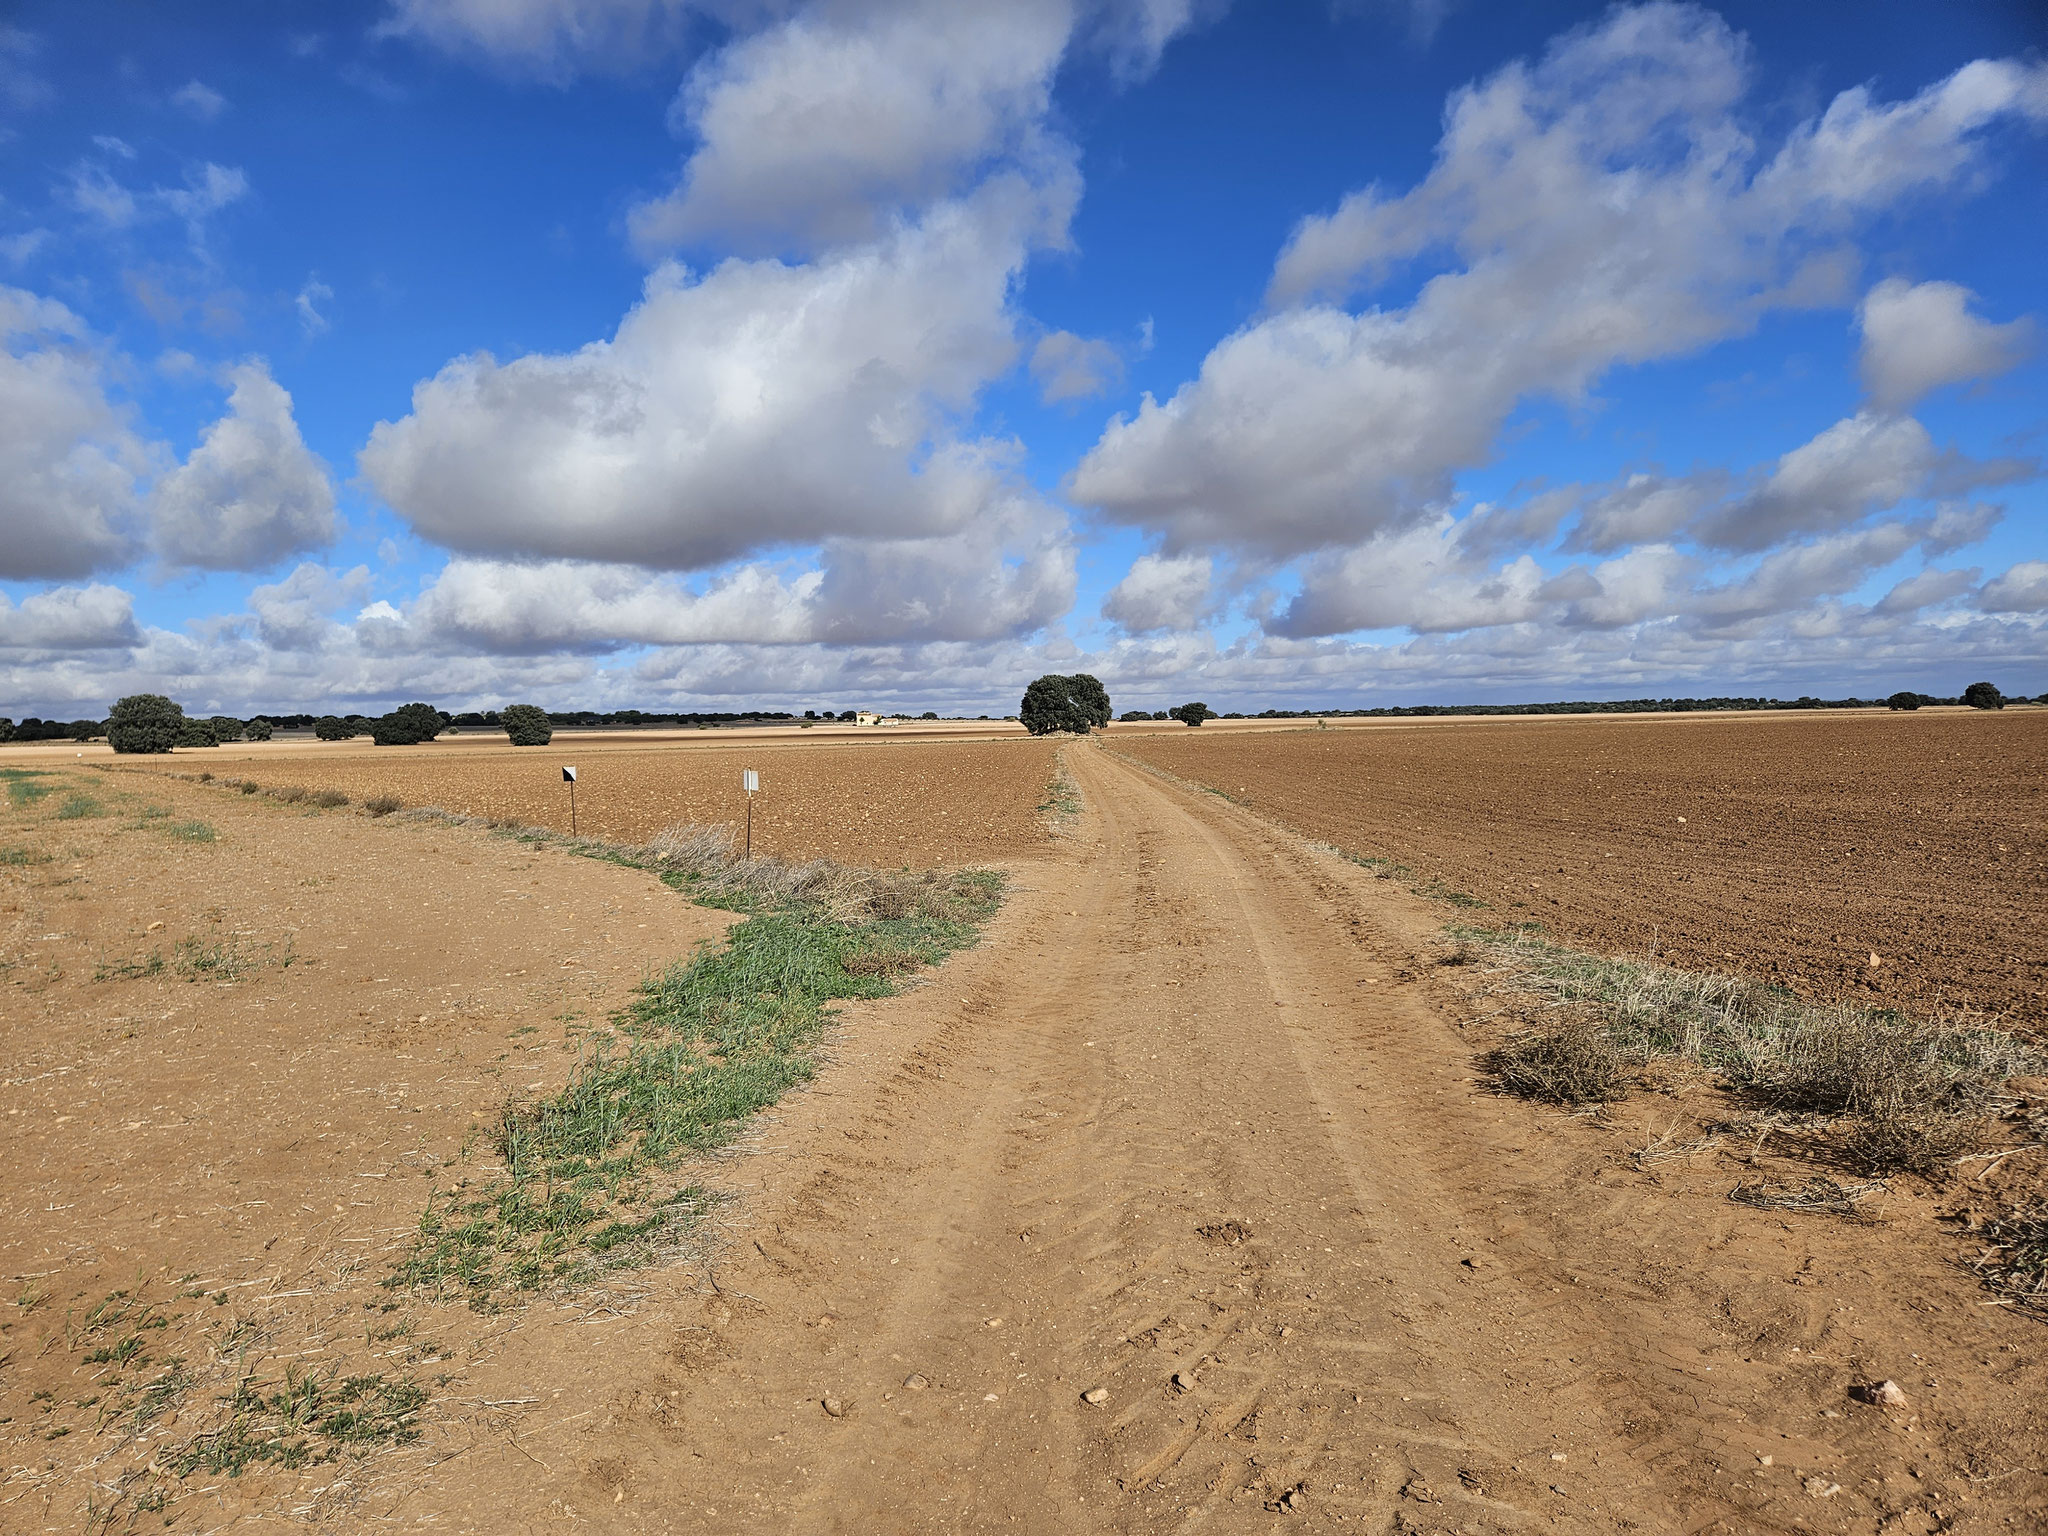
(527, 725)
(328, 799)
(144, 722)
(288, 794)
(247, 786)
(1577, 1062)
(383, 805)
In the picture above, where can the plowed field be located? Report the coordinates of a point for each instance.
(1792, 849)
(870, 803)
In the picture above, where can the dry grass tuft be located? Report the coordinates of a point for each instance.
(1914, 1093)
(1575, 1063)
(383, 805)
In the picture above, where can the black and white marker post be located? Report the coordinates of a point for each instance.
(569, 778)
(750, 781)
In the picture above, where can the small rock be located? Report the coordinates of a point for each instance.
(1293, 1498)
(834, 1407)
(1765, 1461)
(1557, 1455)
(1418, 1489)
(1880, 1394)
(1183, 1382)
(153, 927)
(917, 1381)
(1473, 1261)
(1096, 1396)
(994, 1322)
(1821, 1488)
(1875, 961)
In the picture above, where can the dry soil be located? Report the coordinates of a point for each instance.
(1791, 848)
(1179, 1204)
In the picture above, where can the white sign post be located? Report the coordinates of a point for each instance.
(750, 781)
(569, 778)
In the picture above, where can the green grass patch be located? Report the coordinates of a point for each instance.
(705, 1045)
(301, 1421)
(189, 831)
(133, 969)
(25, 786)
(220, 960)
(78, 805)
(21, 857)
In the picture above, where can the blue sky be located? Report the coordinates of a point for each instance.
(720, 353)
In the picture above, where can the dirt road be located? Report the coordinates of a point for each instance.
(1193, 1128)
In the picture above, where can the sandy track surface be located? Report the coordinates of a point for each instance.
(1192, 1127)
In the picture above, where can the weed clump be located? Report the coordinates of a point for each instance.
(383, 805)
(1577, 1062)
(281, 1424)
(1912, 1094)
(328, 799)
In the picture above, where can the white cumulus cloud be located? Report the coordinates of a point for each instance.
(70, 463)
(757, 405)
(252, 492)
(1919, 336)
(817, 131)
(1600, 207)
(94, 618)
(2022, 589)
(1162, 592)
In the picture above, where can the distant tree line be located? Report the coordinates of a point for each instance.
(152, 723)
(1977, 696)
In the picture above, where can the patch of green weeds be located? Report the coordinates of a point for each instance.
(1436, 890)
(130, 970)
(189, 831)
(77, 806)
(221, 960)
(23, 857)
(25, 786)
(284, 1424)
(705, 1045)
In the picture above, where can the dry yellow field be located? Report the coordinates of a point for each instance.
(919, 802)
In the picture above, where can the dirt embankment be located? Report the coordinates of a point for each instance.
(869, 802)
(1789, 849)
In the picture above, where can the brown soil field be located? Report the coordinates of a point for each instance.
(862, 801)
(1181, 1202)
(1790, 849)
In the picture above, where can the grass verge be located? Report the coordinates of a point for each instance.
(587, 1178)
(1891, 1093)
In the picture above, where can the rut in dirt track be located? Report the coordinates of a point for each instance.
(1201, 1142)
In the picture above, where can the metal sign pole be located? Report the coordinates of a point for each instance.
(750, 780)
(569, 778)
